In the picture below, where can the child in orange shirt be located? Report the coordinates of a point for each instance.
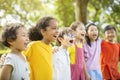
(110, 55)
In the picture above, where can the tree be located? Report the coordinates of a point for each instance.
(81, 10)
(64, 10)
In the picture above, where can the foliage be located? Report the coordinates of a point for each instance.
(28, 11)
(64, 10)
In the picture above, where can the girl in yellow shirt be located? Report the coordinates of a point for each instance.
(39, 52)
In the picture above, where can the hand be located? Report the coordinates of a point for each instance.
(87, 78)
(2, 59)
(54, 49)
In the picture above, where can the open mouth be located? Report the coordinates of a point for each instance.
(71, 41)
(26, 43)
(95, 35)
(55, 36)
(83, 35)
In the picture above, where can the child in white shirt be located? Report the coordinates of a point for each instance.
(61, 61)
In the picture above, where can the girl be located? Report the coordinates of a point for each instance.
(78, 68)
(39, 51)
(15, 66)
(92, 49)
(61, 62)
(110, 55)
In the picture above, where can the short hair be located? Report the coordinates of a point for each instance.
(9, 33)
(64, 31)
(109, 27)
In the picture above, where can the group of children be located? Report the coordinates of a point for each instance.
(81, 54)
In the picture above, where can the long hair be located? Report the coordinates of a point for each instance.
(87, 37)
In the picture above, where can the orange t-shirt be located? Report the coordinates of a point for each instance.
(109, 60)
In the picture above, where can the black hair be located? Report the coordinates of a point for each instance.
(9, 33)
(109, 27)
(43, 23)
(87, 37)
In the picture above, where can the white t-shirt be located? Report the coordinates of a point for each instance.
(20, 67)
(61, 65)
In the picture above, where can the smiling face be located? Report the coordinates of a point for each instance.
(110, 35)
(92, 33)
(66, 38)
(80, 32)
(21, 41)
(51, 32)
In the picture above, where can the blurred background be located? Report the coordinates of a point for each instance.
(100, 12)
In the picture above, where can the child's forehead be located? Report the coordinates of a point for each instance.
(21, 30)
(110, 30)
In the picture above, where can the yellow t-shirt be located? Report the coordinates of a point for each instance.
(72, 53)
(39, 56)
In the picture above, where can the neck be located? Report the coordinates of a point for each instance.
(110, 41)
(45, 41)
(78, 41)
(92, 40)
(64, 47)
(16, 51)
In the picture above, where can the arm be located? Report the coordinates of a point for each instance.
(87, 77)
(6, 72)
(2, 60)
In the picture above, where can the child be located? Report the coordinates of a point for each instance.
(39, 51)
(110, 55)
(92, 50)
(78, 68)
(15, 66)
(61, 62)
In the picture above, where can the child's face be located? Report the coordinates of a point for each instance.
(67, 40)
(21, 41)
(110, 35)
(92, 32)
(51, 33)
(80, 32)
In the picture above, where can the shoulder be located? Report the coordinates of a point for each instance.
(34, 43)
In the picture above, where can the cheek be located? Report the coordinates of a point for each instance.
(90, 34)
(106, 35)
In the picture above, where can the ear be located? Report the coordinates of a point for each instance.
(10, 41)
(42, 31)
(60, 39)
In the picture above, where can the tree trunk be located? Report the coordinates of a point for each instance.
(81, 10)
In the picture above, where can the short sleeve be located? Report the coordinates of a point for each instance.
(9, 61)
(28, 51)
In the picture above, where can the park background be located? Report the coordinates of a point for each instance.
(100, 12)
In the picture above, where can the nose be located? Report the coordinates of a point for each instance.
(27, 39)
(57, 30)
(84, 31)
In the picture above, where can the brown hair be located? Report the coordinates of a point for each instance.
(9, 33)
(43, 23)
